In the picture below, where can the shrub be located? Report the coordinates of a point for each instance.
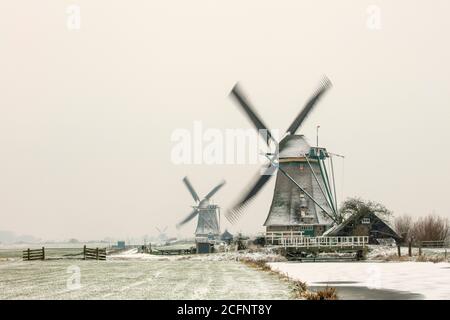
(434, 259)
(302, 291)
(328, 293)
(431, 228)
(300, 288)
(259, 264)
(395, 258)
(403, 225)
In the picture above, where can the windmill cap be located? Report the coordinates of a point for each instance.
(296, 146)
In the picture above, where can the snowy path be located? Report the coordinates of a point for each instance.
(431, 280)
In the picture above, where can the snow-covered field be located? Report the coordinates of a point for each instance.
(421, 280)
(132, 275)
(135, 278)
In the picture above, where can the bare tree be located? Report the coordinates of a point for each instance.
(359, 206)
(431, 228)
(403, 225)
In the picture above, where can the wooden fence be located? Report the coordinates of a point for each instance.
(434, 244)
(35, 254)
(94, 254)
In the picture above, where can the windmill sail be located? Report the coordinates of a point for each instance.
(299, 202)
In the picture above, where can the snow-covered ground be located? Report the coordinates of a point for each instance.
(130, 278)
(430, 280)
(266, 255)
(133, 275)
(422, 280)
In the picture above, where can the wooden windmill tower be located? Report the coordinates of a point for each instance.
(208, 222)
(304, 198)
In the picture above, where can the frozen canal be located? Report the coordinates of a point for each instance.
(158, 279)
(383, 280)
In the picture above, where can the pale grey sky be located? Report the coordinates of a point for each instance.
(86, 116)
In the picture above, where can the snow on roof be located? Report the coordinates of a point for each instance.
(338, 228)
(295, 146)
(226, 235)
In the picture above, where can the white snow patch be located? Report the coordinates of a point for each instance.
(429, 279)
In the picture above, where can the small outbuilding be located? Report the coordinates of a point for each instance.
(226, 237)
(364, 224)
(204, 247)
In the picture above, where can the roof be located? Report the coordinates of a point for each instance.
(294, 146)
(336, 229)
(226, 235)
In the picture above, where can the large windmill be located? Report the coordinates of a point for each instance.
(208, 223)
(304, 199)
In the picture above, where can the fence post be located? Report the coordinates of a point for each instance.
(420, 248)
(410, 248)
(399, 250)
(84, 252)
(96, 253)
(43, 253)
(28, 253)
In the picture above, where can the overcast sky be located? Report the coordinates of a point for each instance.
(86, 116)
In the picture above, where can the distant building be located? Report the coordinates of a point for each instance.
(226, 237)
(204, 246)
(121, 244)
(364, 224)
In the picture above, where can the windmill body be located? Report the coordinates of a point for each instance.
(291, 209)
(208, 222)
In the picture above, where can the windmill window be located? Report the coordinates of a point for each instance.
(365, 221)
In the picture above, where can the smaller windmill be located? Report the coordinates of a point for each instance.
(208, 223)
(162, 236)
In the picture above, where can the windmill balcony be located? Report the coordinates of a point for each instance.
(298, 240)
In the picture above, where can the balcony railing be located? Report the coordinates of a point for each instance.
(298, 240)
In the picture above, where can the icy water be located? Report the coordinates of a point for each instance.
(172, 279)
